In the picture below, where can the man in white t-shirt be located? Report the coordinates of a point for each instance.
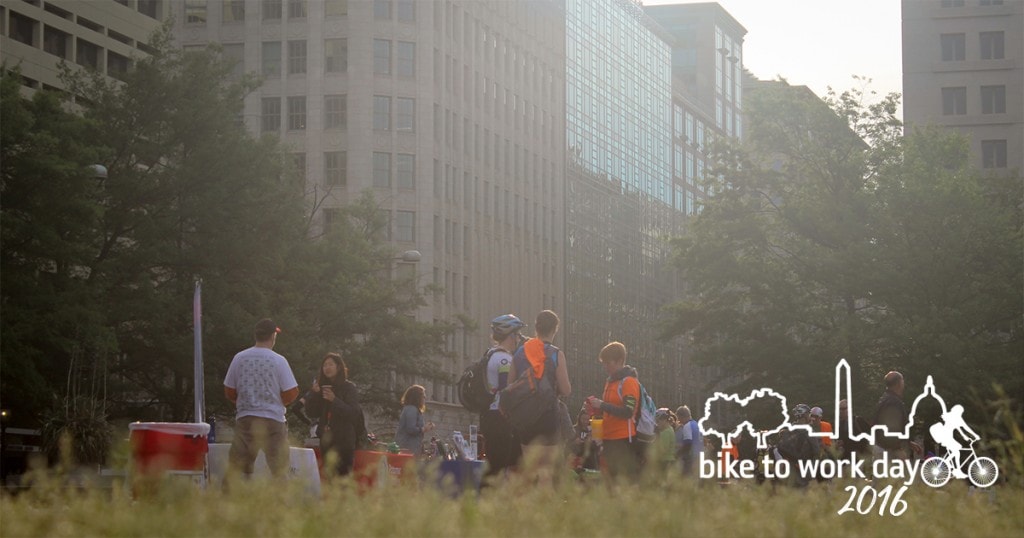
(260, 384)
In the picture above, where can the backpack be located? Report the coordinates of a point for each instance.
(474, 394)
(644, 418)
(528, 400)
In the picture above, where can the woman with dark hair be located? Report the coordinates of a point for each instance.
(410, 424)
(334, 400)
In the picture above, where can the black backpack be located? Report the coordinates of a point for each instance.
(474, 394)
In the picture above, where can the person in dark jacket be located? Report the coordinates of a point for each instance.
(334, 401)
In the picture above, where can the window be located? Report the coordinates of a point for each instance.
(993, 99)
(297, 113)
(993, 153)
(405, 10)
(952, 3)
(234, 53)
(334, 168)
(954, 101)
(234, 11)
(991, 2)
(117, 65)
(992, 46)
(296, 9)
(381, 169)
(336, 8)
(23, 29)
(381, 113)
(405, 114)
(270, 114)
(270, 59)
(57, 43)
(405, 63)
(405, 226)
(296, 57)
(405, 170)
(88, 54)
(272, 10)
(381, 57)
(149, 8)
(953, 47)
(299, 164)
(334, 112)
(195, 11)
(336, 55)
(382, 9)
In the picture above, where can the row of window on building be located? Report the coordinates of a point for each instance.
(953, 46)
(992, 100)
(234, 11)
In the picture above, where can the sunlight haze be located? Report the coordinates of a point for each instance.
(820, 43)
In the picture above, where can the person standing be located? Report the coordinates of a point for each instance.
(533, 354)
(411, 428)
(822, 426)
(334, 400)
(891, 413)
(689, 440)
(260, 383)
(618, 407)
(503, 447)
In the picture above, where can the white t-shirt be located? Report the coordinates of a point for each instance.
(260, 376)
(497, 373)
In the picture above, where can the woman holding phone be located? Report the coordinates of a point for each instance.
(334, 400)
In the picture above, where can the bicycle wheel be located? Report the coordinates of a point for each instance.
(984, 472)
(935, 472)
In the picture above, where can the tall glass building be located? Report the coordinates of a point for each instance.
(619, 194)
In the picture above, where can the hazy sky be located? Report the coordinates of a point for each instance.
(820, 43)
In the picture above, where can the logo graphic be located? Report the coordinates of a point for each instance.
(951, 432)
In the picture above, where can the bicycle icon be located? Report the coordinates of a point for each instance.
(982, 471)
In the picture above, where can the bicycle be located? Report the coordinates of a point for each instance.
(982, 471)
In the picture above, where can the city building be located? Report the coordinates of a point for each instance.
(104, 35)
(451, 113)
(963, 68)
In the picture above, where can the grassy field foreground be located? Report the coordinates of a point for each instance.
(513, 509)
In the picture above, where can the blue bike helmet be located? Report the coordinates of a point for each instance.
(505, 325)
(800, 412)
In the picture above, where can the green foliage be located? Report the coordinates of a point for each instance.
(77, 432)
(830, 235)
(102, 272)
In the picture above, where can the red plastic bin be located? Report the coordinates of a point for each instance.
(169, 446)
(368, 466)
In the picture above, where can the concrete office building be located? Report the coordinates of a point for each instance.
(450, 112)
(103, 35)
(963, 68)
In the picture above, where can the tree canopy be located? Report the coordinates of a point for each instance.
(98, 273)
(831, 235)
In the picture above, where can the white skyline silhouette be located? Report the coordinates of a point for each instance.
(842, 380)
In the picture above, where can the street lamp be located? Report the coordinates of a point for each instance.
(98, 171)
(410, 256)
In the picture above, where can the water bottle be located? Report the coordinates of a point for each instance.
(212, 436)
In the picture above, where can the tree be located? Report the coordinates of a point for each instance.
(830, 235)
(189, 194)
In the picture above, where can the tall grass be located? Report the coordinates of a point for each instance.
(515, 508)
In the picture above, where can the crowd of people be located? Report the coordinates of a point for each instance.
(604, 436)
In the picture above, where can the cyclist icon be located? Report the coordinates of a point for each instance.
(982, 471)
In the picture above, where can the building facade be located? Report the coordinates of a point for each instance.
(963, 68)
(104, 35)
(451, 113)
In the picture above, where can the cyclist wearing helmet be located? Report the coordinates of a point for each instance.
(503, 447)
